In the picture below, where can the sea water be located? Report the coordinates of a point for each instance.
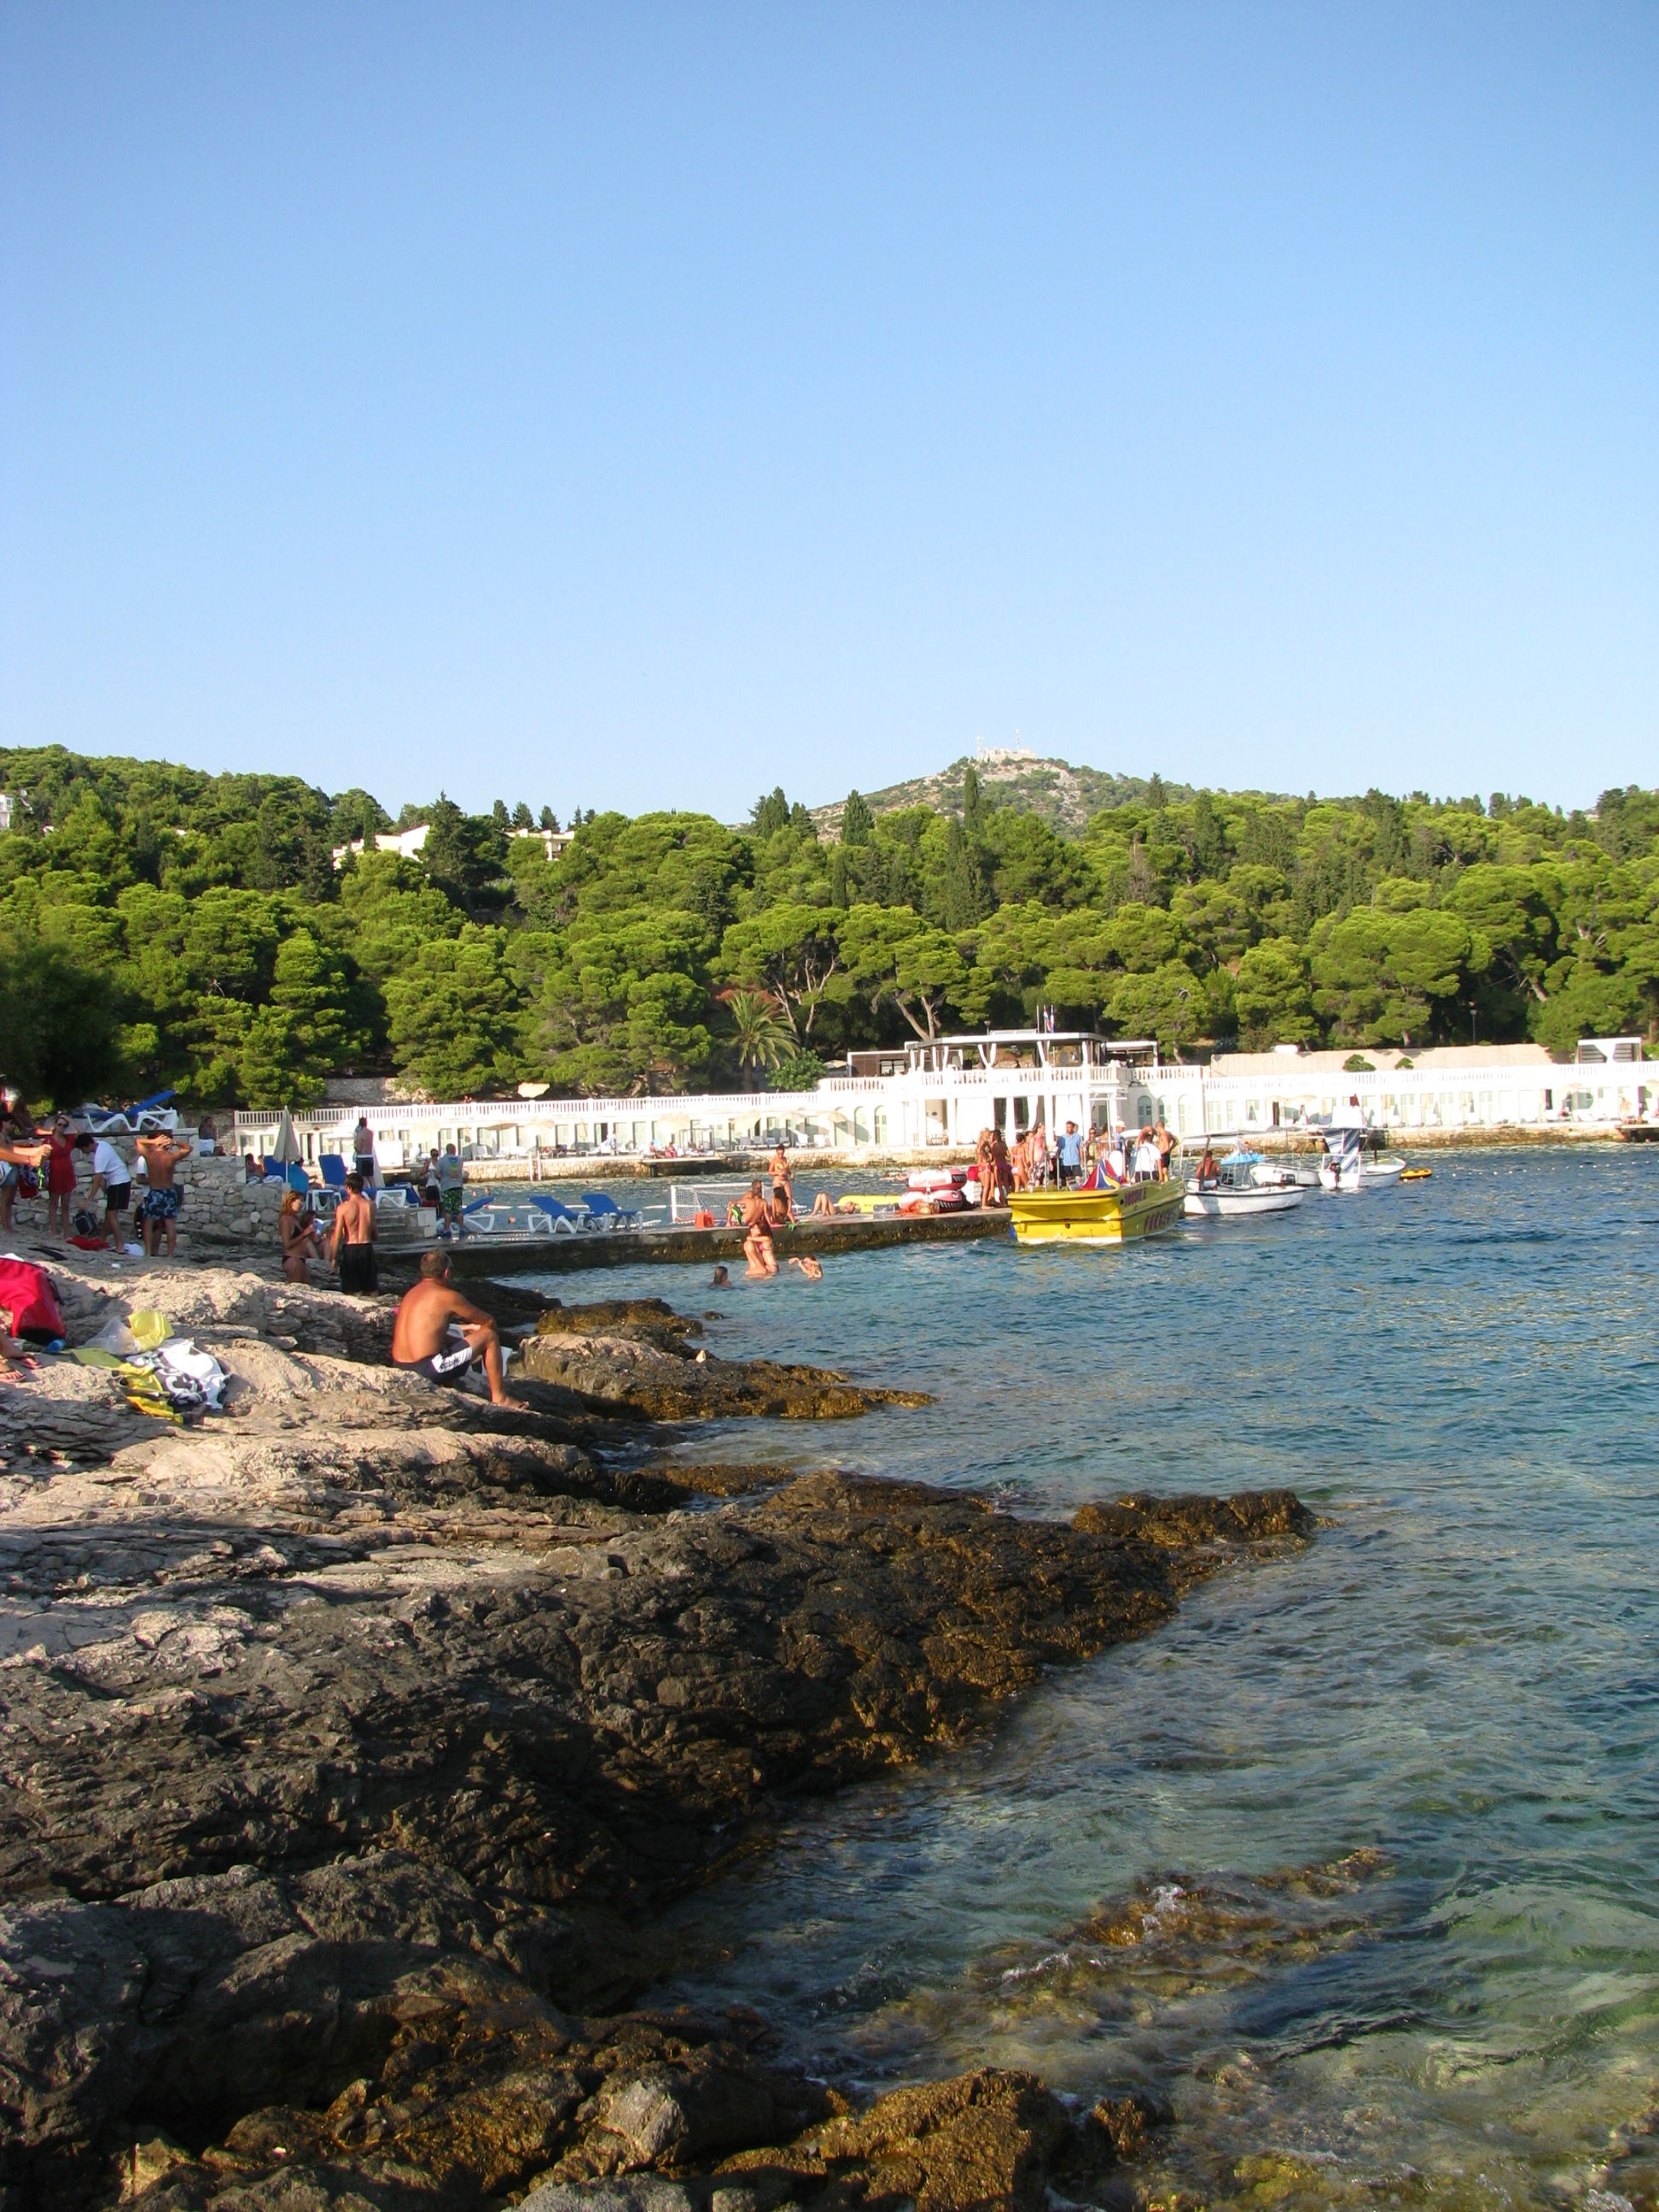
(1355, 1863)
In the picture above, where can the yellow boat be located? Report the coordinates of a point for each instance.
(1113, 1216)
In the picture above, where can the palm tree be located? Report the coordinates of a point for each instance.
(761, 1038)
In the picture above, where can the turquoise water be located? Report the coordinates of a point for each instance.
(1458, 1680)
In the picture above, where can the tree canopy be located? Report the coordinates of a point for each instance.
(161, 926)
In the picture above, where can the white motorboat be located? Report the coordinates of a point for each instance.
(1243, 1184)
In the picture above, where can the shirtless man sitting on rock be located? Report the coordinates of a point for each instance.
(426, 1316)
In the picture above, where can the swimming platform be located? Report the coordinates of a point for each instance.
(687, 1247)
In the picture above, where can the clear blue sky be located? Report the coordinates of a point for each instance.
(639, 405)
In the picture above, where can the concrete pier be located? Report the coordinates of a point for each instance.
(627, 1248)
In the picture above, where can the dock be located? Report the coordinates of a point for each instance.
(686, 1247)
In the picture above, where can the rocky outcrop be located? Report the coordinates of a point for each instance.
(637, 1356)
(348, 1743)
(618, 1374)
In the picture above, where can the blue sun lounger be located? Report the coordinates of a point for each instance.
(605, 1213)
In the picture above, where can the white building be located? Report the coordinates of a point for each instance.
(941, 1094)
(410, 841)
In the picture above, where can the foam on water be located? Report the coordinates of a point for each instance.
(1457, 1682)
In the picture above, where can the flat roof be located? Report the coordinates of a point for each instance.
(1031, 1037)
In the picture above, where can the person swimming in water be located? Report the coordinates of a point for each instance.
(720, 1280)
(812, 1268)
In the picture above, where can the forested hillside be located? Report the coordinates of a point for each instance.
(162, 926)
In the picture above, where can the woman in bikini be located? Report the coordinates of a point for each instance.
(298, 1232)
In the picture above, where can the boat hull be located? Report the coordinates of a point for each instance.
(1230, 1205)
(1097, 1217)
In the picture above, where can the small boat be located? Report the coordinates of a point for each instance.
(1383, 1167)
(1244, 1184)
(1415, 1175)
(1119, 1213)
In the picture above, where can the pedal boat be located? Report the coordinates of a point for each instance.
(1119, 1215)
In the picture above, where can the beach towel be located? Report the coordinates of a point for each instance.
(172, 1383)
(28, 1298)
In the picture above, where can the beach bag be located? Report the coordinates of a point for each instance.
(25, 1292)
(86, 1225)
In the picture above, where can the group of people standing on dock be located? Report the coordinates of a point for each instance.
(35, 1156)
(1071, 1158)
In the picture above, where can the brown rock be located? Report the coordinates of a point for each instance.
(984, 2142)
(1246, 1517)
(635, 1375)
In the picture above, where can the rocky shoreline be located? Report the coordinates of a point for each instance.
(351, 1740)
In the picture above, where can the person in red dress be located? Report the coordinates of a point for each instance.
(60, 1176)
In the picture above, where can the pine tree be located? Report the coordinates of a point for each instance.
(771, 813)
(856, 820)
(447, 853)
(965, 892)
(973, 801)
(1209, 839)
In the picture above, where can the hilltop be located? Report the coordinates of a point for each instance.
(1031, 783)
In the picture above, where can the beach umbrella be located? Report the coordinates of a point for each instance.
(285, 1143)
